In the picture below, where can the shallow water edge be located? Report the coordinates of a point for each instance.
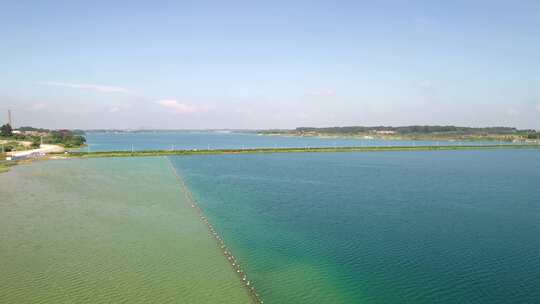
(219, 240)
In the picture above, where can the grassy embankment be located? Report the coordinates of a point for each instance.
(4, 165)
(292, 150)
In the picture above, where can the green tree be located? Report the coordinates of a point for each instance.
(66, 138)
(6, 130)
(533, 135)
(36, 142)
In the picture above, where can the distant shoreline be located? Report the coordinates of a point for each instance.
(410, 133)
(410, 137)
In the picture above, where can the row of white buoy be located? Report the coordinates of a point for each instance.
(226, 251)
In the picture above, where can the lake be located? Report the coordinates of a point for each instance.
(183, 140)
(368, 227)
(384, 227)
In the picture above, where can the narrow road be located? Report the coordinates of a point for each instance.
(43, 149)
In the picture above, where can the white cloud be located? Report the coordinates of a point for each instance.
(114, 109)
(37, 107)
(118, 108)
(512, 111)
(426, 84)
(182, 108)
(86, 86)
(302, 115)
(326, 92)
(538, 108)
(245, 110)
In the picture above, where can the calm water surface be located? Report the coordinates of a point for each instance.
(215, 140)
(390, 227)
(106, 231)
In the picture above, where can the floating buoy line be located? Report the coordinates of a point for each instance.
(221, 244)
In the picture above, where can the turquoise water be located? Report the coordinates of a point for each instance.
(389, 227)
(215, 140)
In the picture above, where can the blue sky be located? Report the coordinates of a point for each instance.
(255, 64)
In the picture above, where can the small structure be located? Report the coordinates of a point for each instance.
(18, 155)
(35, 133)
(10, 119)
(385, 132)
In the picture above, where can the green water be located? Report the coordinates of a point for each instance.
(106, 231)
(385, 227)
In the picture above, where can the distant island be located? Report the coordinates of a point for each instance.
(413, 133)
